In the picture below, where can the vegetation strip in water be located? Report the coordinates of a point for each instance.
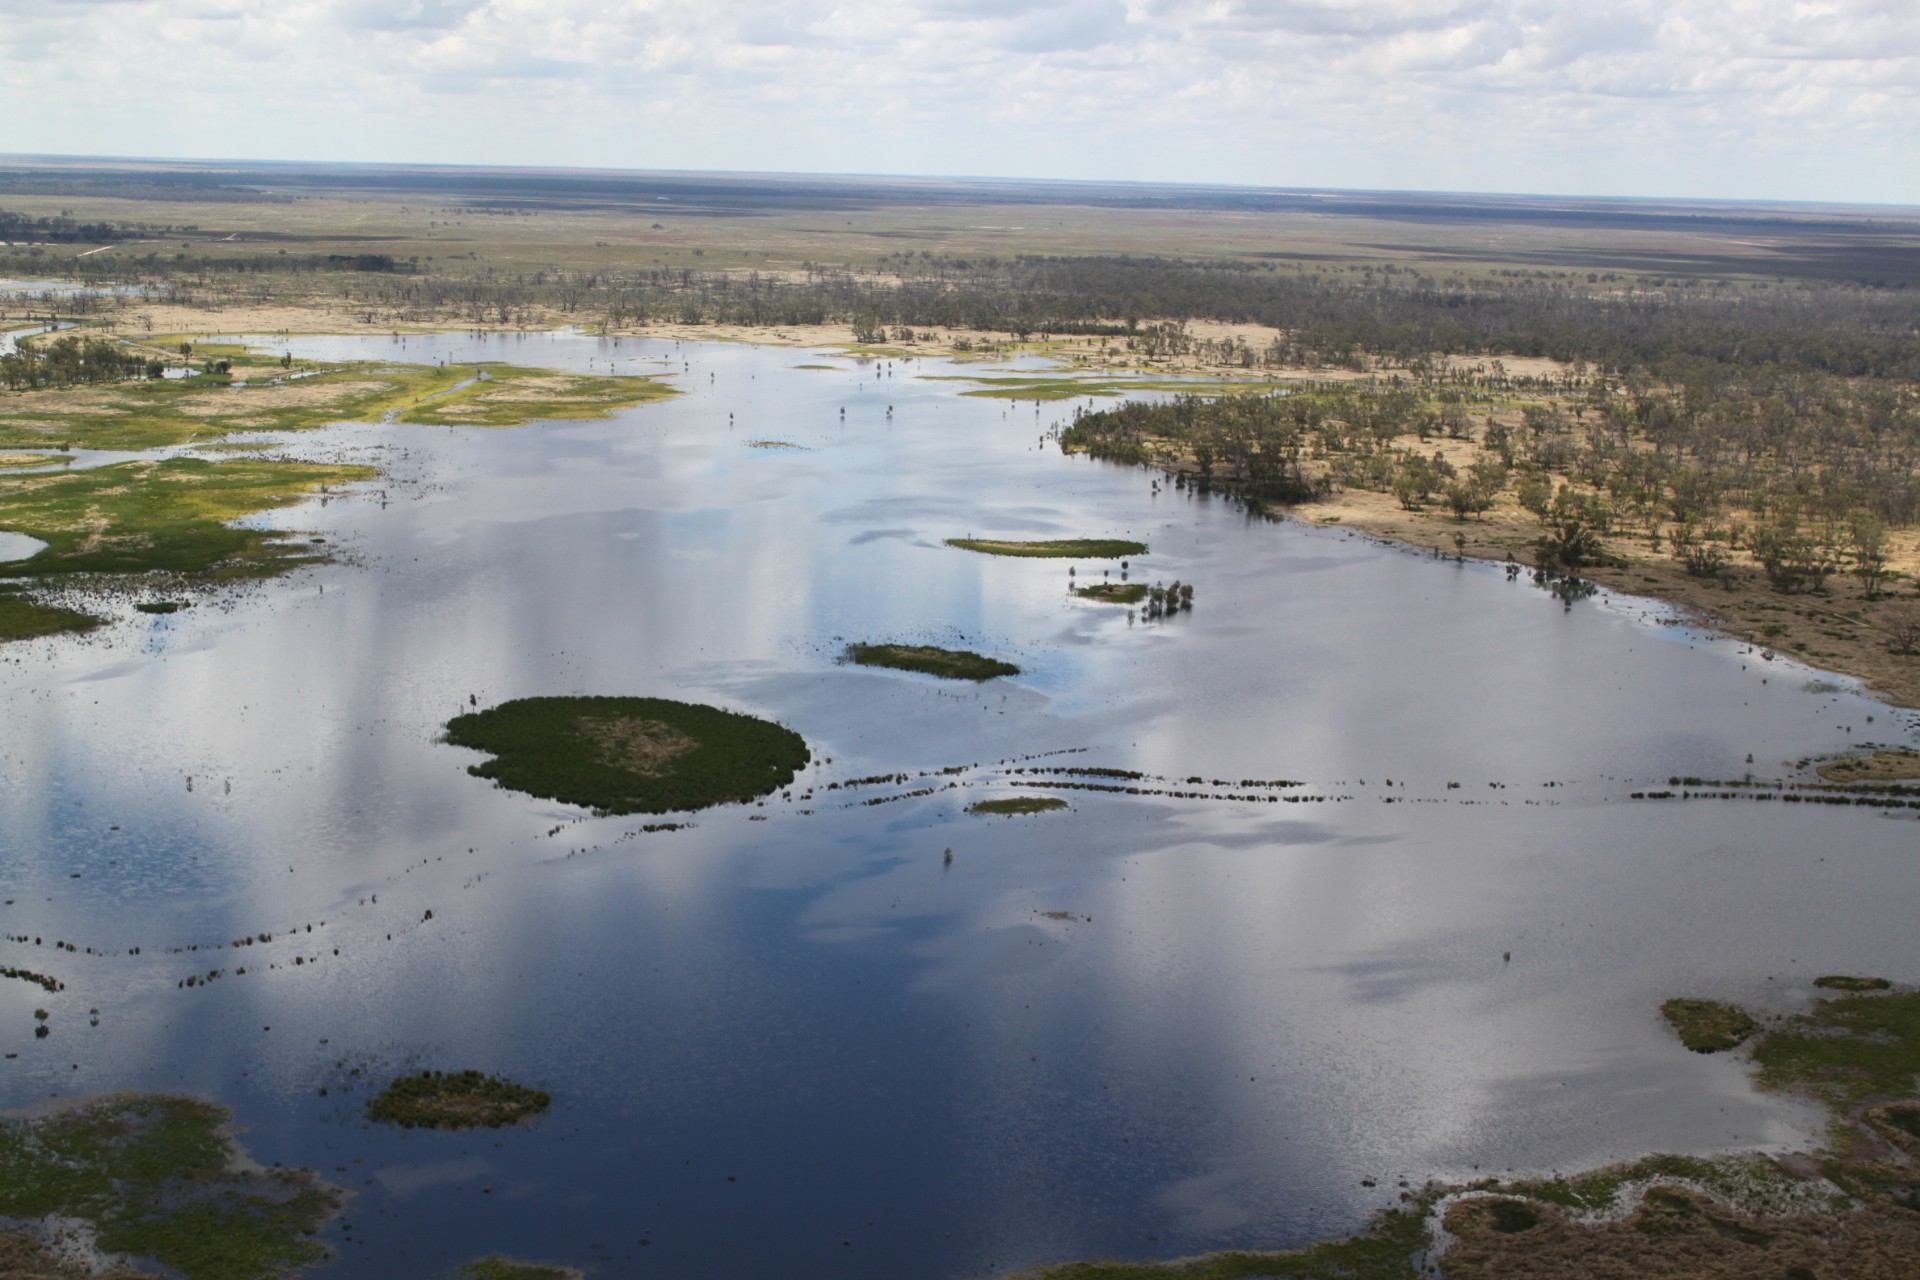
(1113, 592)
(950, 664)
(513, 1269)
(1018, 805)
(630, 755)
(1054, 549)
(1851, 1210)
(456, 1100)
(1881, 766)
(158, 1177)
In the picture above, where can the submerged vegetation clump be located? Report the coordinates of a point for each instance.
(949, 664)
(1708, 1026)
(1054, 549)
(456, 1100)
(630, 755)
(158, 1178)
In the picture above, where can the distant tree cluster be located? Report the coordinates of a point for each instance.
(69, 360)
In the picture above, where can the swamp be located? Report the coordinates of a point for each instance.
(473, 673)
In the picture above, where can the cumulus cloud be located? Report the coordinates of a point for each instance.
(1811, 98)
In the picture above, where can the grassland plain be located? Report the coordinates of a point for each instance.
(1850, 1211)
(630, 755)
(949, 664)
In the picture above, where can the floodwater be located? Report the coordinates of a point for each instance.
(793, 1038)
(18, 546)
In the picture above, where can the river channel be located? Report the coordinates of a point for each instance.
(794, 1038)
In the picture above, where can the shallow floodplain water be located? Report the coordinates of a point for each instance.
(792, 1038)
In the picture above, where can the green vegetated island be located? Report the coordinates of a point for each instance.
(456, 1100)
(618, 755)
(171, 520)
(949, 664)
(1015, 806)
(1054, 549)
(1848, 1211)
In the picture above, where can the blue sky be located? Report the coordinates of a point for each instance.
(1711, 98)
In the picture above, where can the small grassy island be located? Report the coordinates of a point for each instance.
(1113, 592)
(456, 1100)
(1850, 1210)
(1707, 1026)
(1018, 805)
(1055, 549)
(1881, 766)
(157, 1178)
(512, 1269)
(630, 755)
(949, 664)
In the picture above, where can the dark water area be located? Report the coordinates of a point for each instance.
(794, 1038)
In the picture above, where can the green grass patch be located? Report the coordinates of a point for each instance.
(1708, 1026)
(145, 415)
(456, 1100)
(161, 606)
(1015, 387)
(1113, 592)
(22, 619)
(630, 755)
(158, 1177)
(949, 664)
(1846, 1048)
(173, 515)
(1054, 549)
(1849, 982)
(1018, 805)
(509, 396)
(1389, 1249)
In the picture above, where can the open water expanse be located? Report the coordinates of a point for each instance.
(793, 1039)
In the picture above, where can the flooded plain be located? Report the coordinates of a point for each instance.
(795, 1037)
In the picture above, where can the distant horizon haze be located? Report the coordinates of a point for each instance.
(1746, 100)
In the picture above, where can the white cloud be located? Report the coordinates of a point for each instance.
(1712, 97)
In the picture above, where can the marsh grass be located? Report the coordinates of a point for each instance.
(1055, 548)
(22, 619)
(1389, 1249)
(1881, 766)
(1114, 592)
(134, 517)
(158, 1178)
(512, 1269)
(1708, 1026)
(630, 755)
(949, 664)
(456, 1100)
(1018, 805)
